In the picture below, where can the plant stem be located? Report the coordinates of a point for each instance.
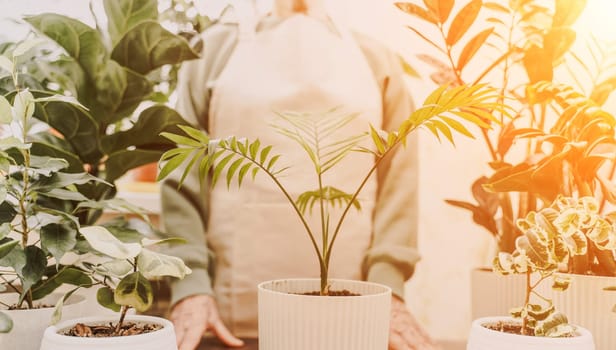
(122, 316)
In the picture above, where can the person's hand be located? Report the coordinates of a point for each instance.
(195, 315)
(404, 331)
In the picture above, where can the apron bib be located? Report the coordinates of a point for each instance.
(299, 65)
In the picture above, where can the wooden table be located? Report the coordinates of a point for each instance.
(252, 344)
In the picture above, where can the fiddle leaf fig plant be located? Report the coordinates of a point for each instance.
(109, 71)
(233, 158)
(550, 237)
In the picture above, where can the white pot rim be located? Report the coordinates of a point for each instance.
(266, 287)
(582, 333)
(52, 332)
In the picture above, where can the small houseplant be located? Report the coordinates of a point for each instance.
(35, 235)
(551, 236)
(123, 271)
(232, 158)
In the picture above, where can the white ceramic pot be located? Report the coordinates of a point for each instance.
(587, 304)
(288, 320)
(163, 339)
(482, 338)
(29, 325)
(494, 294)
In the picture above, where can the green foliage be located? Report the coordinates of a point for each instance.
(550, 237)
(110, 72)
(318, 136)
(566, 138)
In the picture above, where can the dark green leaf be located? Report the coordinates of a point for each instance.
(66, 275)
(105, 298)
(58, 239)
(33, 270)
(154, 44)
(122, 161)
(7, 212)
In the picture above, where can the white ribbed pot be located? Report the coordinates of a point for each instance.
(163, 339)
(289, 320)
(587, 304)
(494, 294)
(482, 338)
(29, 325)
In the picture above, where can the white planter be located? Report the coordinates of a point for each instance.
(163, 339)
(29, 325)
(300, 322)
(494, 294)
(481, 338)
(587, 304)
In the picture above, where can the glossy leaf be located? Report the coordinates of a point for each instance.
(33, 270)
(122, 161)
(463, 21)
(66, 275)
(135, 291)
(125, 14)
(149, 39)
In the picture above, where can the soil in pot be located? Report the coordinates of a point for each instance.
(513, 328)
(110, 330)
(333, 293)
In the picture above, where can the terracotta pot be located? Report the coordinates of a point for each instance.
(289, 320)
(587, 304)
(494, 294)
(29, 325)
(145, 173)
(482, 338)
(163, 339)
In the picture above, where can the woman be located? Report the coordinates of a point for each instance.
(296, 59)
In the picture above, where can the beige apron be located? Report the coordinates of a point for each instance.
(299, 65)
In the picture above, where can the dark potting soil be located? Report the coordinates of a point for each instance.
(333, 293)
(508, 327)
(109, 330)
(38, 306)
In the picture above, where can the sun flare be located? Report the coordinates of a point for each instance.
(598, 19)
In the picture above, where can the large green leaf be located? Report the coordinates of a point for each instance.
(58, 239)
(125, 14)
(76, 125)
(80, 41)
(66, 72)
(66, 275)
(122, 161)
(137, 89)
(136, 291)
(44, 148)
(7, 245)
(33, 270)
(7, 212)
(111, 83)
(146, 131)
(153, 45)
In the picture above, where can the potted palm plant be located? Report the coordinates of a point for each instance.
(360, 314)
(559, 140)
(551, 236)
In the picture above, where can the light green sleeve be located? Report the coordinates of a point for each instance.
(393, 254)
(185, 209)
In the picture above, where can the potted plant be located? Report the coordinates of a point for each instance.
(35, 236)
(551, 236)
(360, 314)
(124, 272)
(114, 72)
(557, 141)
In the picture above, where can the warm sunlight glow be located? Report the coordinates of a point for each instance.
(598, 20)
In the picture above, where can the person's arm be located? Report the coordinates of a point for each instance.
(185, 208)
(392, 255)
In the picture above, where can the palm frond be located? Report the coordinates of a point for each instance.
(331, 195)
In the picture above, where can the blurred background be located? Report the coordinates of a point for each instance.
(449, 242)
